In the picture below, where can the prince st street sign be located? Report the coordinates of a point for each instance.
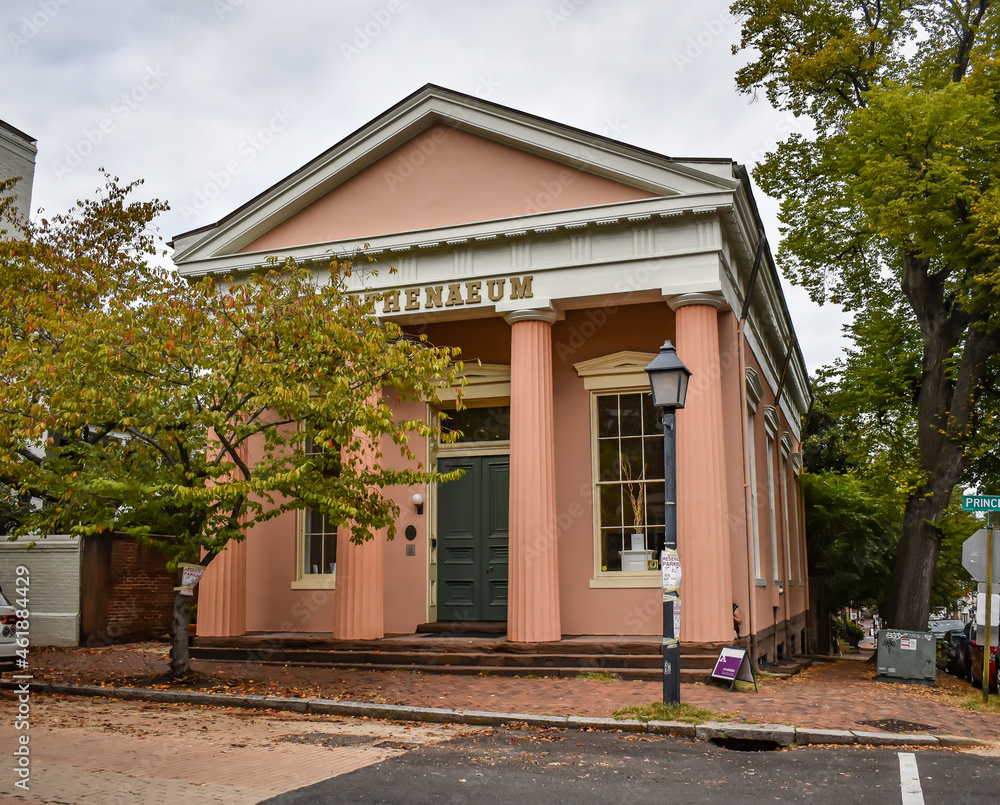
(981, 503)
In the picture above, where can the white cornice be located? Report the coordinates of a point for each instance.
(575, 220)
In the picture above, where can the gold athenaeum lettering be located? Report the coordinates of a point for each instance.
(433, 293)
(472, 292)
(494, 288)
(454, 295)
(520, 287)
(390, 304)
(412, 299)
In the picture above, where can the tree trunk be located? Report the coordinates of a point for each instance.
(945, 403)
(180, 655)
(818, 619)
(919, 547)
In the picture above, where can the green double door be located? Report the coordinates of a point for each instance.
(473, 539)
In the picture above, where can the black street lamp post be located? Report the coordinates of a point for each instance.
(668, 379)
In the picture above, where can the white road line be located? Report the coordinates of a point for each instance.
(909, 779)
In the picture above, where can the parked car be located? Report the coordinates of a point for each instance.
(976, 665)
(957, 652)
(8, 635)
(941, 626)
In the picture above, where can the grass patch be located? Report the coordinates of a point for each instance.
(974, 701)
(527, 676)
(658, 711)
(599, 676)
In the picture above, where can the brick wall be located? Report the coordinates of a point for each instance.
(141, 593)
(127, 591)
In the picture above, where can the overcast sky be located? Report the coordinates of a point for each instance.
(173, 91)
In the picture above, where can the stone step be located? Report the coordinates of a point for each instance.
(429, 643)
(391, 657)
(645, 674)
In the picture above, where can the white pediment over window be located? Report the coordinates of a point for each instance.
(755, 391)
(618, 371)
(487, 381)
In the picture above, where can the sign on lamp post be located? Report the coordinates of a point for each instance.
(988, 504)
(668, 382)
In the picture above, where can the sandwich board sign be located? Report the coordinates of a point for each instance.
(733, 664)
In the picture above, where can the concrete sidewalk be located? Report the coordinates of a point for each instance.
(778, 734)
(832, 702)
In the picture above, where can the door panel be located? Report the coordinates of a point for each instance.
(495, 515)
(473, 539)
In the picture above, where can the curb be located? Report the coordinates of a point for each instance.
(780, 734)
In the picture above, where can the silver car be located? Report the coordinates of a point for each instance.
(8, 635)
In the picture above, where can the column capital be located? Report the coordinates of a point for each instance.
(540, 310)
(711, 298)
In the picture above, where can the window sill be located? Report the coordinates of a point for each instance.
(760, 582)
(627, 580)
(316, 582)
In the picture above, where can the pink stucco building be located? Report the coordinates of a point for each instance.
(561, 260)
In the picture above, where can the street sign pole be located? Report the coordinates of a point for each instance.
(973, 560)
(989, 608)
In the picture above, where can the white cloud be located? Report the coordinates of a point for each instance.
(656, 75)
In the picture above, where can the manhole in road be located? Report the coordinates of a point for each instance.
(746, 744)
(895, 725)
(325, 739)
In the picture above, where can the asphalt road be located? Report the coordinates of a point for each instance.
(527, 767)
(93, 752)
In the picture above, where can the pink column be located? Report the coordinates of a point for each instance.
(533, 603)
(358, 608)
(222, 594)
(702, 510)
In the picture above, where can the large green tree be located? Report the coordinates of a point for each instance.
(136, 402)
(896, 188)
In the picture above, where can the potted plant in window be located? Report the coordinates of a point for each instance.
(637, 557)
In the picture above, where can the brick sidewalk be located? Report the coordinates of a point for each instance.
(835, 695)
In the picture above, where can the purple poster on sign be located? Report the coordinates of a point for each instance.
(728, 664)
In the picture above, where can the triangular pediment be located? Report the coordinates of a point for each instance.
(440, 159)
(618, 370)
(443, 177)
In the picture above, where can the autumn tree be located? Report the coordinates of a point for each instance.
(133, 401)
(896, 187)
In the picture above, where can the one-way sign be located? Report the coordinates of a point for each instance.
(974, 556)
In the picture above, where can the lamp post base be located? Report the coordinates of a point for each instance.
(671, 652)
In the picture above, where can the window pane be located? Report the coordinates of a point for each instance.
(479, 424)
(635, 506)
(652, 417)
(631, 414)
(330, 552)
(611, 505)
(631, 458)
(653, 449)
(611, 545)
(314, 554)
(654, 503)
(654, 541)
(608, 459)
(607, 415)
